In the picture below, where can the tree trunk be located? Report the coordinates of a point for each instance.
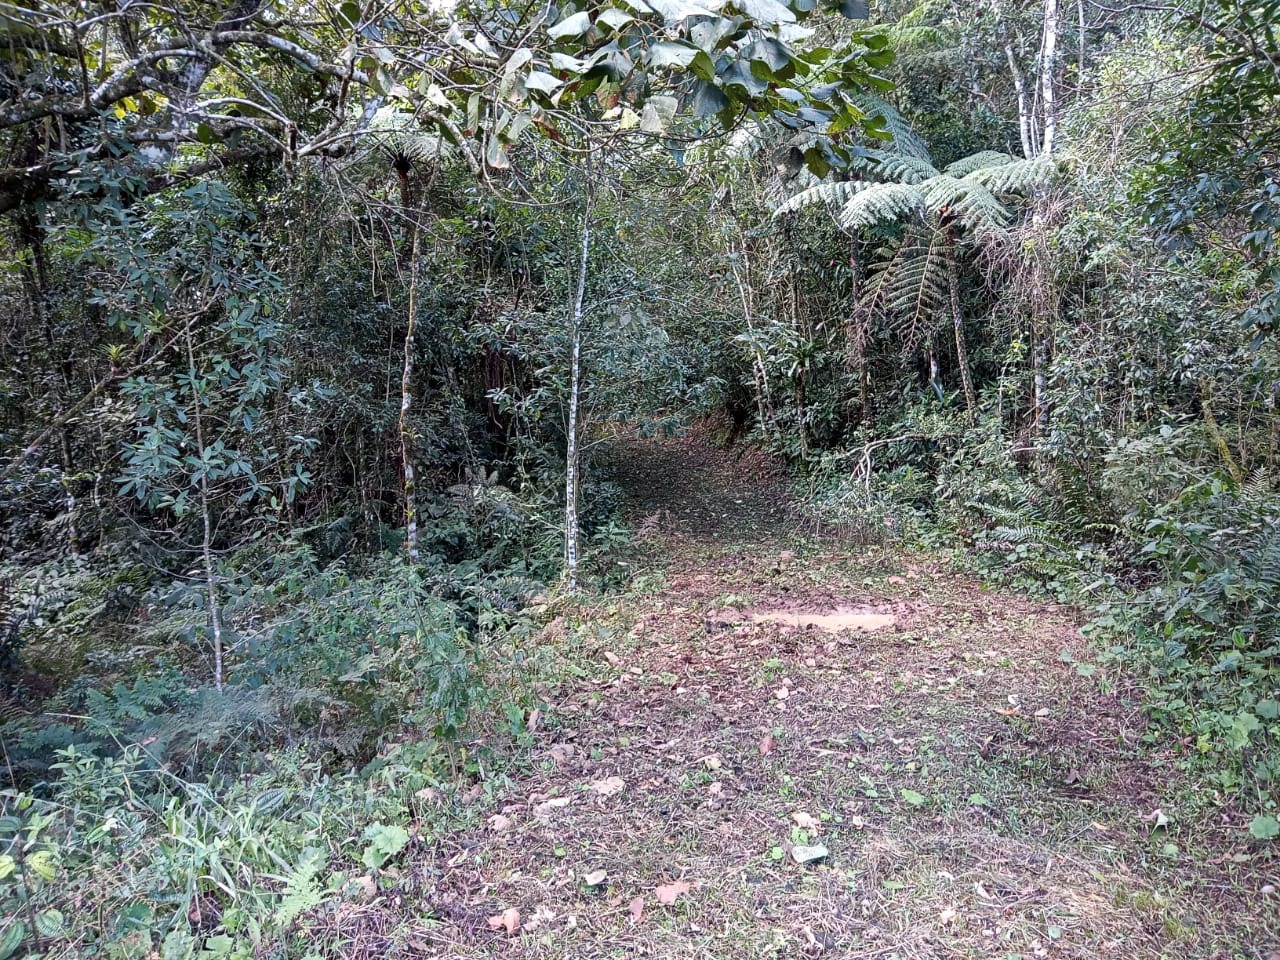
(407, 438)
(572, 475)
(206, 518)
(1024, 108)
(957, 320)
(1048, 69)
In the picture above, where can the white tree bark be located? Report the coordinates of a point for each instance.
(407, 443)
(572, 454)
(1029, 146)
(1048, 74)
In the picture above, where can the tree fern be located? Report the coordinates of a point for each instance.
(966, 202)
(881, 203)
(977, 161)
(906, 141)
(910, 292)
(890, 167)
(833, 192)
(1016, 177)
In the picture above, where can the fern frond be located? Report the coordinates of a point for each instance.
(910, 292)
(1018, 177)
(834, 192)
(968, 203)
(890, 167)
(906, 141)
(881, 203)
(977, 161)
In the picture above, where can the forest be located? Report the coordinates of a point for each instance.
(619, 478)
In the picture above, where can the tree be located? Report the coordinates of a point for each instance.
(918, 285)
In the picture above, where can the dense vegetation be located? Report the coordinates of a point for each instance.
(315, 314)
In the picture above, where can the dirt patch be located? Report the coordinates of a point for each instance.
(837, 621)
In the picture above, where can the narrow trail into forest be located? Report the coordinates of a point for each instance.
(959, 786)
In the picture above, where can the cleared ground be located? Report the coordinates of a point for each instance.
(977, 787)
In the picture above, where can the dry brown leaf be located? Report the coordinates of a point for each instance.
(534, 721)
(612, 658)
(668, 893)
(948, 915)
(541, 917)
(1011, 712)
(508, 919)
(366, 885)
(545, 808)
(498, 823)
(805, 821)
(609, 786)
(636, 909)
(767, 744)
(561, 753)
(595, 877)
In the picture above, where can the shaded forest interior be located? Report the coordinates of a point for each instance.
(366, 368)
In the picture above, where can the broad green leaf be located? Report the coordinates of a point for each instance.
(614, 18)
(572, 26)
(11, 939)
(50, 923)
(767, 13)
(542, 82)
(668, 54)
(1264, 827)
(708, 99)
(913, 798)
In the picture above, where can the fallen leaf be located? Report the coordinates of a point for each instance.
(668, 893)
(541, 917)
(595, 877)
(806, 821)
(803, 855)
(609, 786)
(1042, 712)
(767, 744)
(948, 915)
(535, 718)
(498, 823)
(636, 909)
(365, 885)
(712, 762)
(612, 658)
(545, 808)
(508, 919)
(782, 693)
(1158, 817)
(1011, 712)
(561, 753)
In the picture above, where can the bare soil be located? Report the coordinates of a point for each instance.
(977, 795)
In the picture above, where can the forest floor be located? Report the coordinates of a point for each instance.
(938, 772)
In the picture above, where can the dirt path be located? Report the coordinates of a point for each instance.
(975, 793)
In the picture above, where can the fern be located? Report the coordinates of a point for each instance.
(983, 159)
(890, 167)
(910, 291)
(301, 893)
(906, 141)
(835, 192)
(1015, 177)
(880, 203)
(970, 204)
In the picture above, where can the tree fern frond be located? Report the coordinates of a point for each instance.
(889, 167)
(906, 141)
(834, 192)
(910, 292)
(977, 161)
(881, 203)
(1018, 177)
(966, 202)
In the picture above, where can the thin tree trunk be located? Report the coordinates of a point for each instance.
(206, 518)
(407, 438)
(957, 321)
(1080, 53)
(572, 474)
(1024, 108)
(1048, 68)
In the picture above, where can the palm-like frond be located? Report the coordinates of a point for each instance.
(910, 292)
(977, 161)
(966, 202)
(1016, 177)
(906, 141)
(836, 193)
(881, 203)
(888, 167)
